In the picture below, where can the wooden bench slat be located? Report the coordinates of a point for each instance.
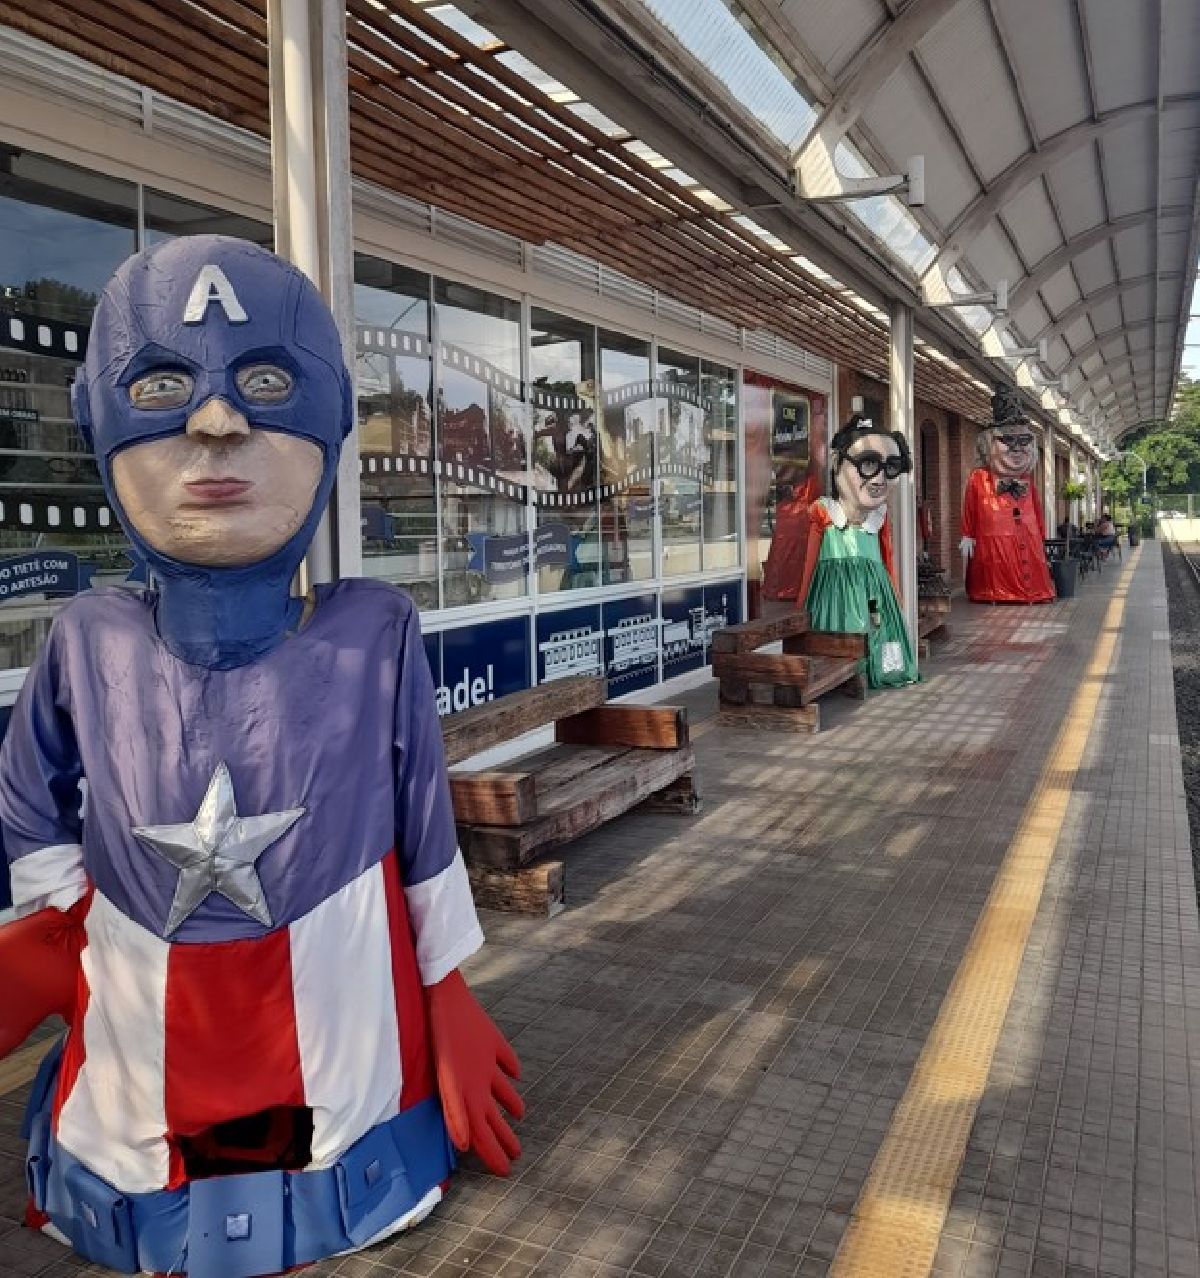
(571, 811)
(828, 672)
(826, 643)
(471, 731)
(551, 764)
(746, 636)
(642, 727)
(762, 667)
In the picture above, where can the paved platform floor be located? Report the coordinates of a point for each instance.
(717, 1033)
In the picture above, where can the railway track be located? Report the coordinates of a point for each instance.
(1190, 558)
(1182, 568)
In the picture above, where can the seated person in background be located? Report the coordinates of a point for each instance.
(1066, 529)
(1106, 534)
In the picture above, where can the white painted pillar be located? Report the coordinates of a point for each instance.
(310, 165)
(901, 412)
(1049, 495)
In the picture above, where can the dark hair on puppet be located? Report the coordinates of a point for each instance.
(859, 427)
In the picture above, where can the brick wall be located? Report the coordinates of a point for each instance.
(874, 394)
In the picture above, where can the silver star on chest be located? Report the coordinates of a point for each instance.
(217, 851)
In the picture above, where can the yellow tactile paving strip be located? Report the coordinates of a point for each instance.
(898, 1219)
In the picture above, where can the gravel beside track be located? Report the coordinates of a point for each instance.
(1183, 595)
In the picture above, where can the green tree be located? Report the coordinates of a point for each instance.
(1170, 449)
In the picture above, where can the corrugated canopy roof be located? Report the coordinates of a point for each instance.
(1062, 145)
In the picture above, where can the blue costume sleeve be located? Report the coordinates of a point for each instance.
(40, 797)
(436, 889)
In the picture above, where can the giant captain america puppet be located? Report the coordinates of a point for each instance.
(253, 926)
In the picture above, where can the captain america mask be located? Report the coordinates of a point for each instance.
(214, 340)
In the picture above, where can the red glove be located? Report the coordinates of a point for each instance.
(474, 1063)
(39, 971)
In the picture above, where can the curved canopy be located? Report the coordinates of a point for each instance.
(1062, 151)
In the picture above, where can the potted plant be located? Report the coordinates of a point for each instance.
(1066, 570)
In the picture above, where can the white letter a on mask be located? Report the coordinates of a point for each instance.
(212, 285)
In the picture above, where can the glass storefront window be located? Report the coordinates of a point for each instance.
(681, 452)
(786, 462)
(628, 459)
(483, 444)
(718, 386)
(565, 455)
(63, 231)
(166, 216)
(393, 367)
(627, 426)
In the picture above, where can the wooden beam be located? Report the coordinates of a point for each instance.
(827, 643)
(572, 811)
(493, 798)
(829, 672)
(644, 727)
(537, 889)
(748, 635)
(472, 731)
(763, 667)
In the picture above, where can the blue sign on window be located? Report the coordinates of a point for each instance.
(482, 662)
(39, 572)
(632, 630)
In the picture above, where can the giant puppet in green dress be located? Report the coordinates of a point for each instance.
(850, 583)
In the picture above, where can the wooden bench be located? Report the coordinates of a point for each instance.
(780, 690)
(606, 760)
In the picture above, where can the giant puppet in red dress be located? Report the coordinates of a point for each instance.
(1002, 524)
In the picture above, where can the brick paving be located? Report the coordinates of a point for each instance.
(716, 1032)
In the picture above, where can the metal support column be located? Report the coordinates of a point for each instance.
(1073, 512)
(310, 166)
(901, 414)
(1049, 496)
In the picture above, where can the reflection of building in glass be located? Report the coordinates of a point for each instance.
(465, 436)
(398, 424)
(572, 652)
(634, 641)
(687, 434)
(565, 448)
(510, 431)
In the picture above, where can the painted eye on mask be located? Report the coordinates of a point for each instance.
(264, 383)
(163, 388)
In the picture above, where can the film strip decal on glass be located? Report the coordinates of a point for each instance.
(50, 514)
(399, 342)
(39, 336)
(458, 473)
(392, 341)
(373, 464)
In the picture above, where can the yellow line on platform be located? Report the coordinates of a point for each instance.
(898, 1219)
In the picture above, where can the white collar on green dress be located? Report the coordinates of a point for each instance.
(837, 514)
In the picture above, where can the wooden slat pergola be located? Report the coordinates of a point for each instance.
(437, 118)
